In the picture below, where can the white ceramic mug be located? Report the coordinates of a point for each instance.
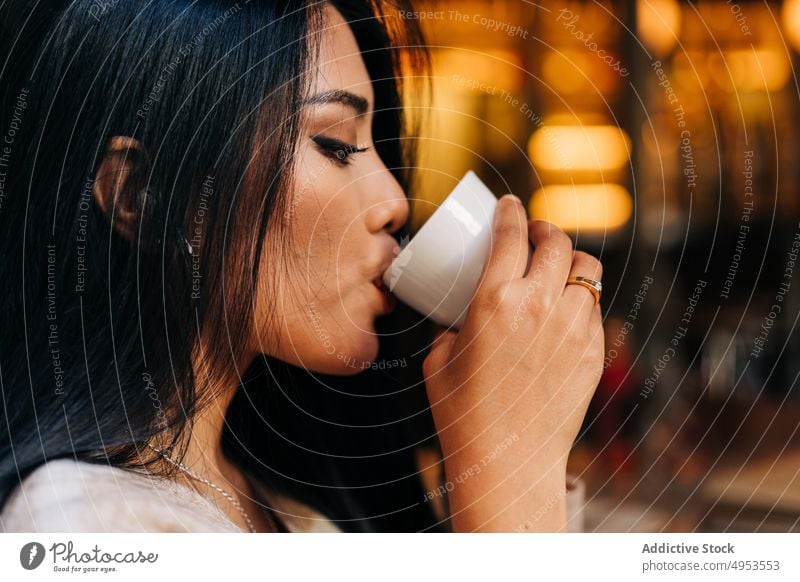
(438, 271)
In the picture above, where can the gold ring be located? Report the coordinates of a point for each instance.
(596, 287)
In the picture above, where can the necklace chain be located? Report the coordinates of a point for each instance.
(236, 503)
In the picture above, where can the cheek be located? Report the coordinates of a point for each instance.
(325, 340)
(328, 243)
(323, 318)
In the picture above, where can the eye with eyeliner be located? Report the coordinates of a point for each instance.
(337, 150)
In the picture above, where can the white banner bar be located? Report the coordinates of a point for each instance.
(400, 557)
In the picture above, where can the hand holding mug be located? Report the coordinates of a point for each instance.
(524, 365)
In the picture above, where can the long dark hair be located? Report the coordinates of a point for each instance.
(98, 332)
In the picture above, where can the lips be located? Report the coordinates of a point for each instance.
(389, 300)
(390, 253)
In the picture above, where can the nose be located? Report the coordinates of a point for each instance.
(389, 208)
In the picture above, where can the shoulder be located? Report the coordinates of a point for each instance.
(65, 495)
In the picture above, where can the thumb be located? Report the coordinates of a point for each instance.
(439, 355)
(442, 336)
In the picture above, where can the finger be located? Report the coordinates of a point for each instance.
(596, 325)
(439, 355)
(551, 260)
(583, 265)
(443, 335)
(508, 254)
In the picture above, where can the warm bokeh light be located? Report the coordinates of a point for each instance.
(790, 18)
(658, 25)
(763, 69)
(572, 72)
(497, 69)
(579, 147)
(584, 208)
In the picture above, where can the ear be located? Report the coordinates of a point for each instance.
(118, 186)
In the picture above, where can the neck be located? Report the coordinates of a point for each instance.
(204, 448)
(204, 457)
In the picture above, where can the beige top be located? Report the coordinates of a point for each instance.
(67, 496)
(74, 496)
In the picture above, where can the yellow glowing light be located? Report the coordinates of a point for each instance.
(490, 71)
(563, 71)
(790, 18)
(585, 207)
(762, 69)
(579, 147)
(658, 23)
(572, 72)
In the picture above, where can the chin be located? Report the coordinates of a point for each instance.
(355, 358)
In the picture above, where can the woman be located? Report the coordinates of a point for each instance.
(199, 201)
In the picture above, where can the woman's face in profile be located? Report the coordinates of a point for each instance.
(342, 209)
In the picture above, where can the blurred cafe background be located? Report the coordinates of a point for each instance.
(663, 136)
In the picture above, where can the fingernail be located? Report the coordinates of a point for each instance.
(513, 197)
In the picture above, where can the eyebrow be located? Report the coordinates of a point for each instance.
(356, 102)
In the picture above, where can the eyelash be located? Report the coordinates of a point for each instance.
(337, 150)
